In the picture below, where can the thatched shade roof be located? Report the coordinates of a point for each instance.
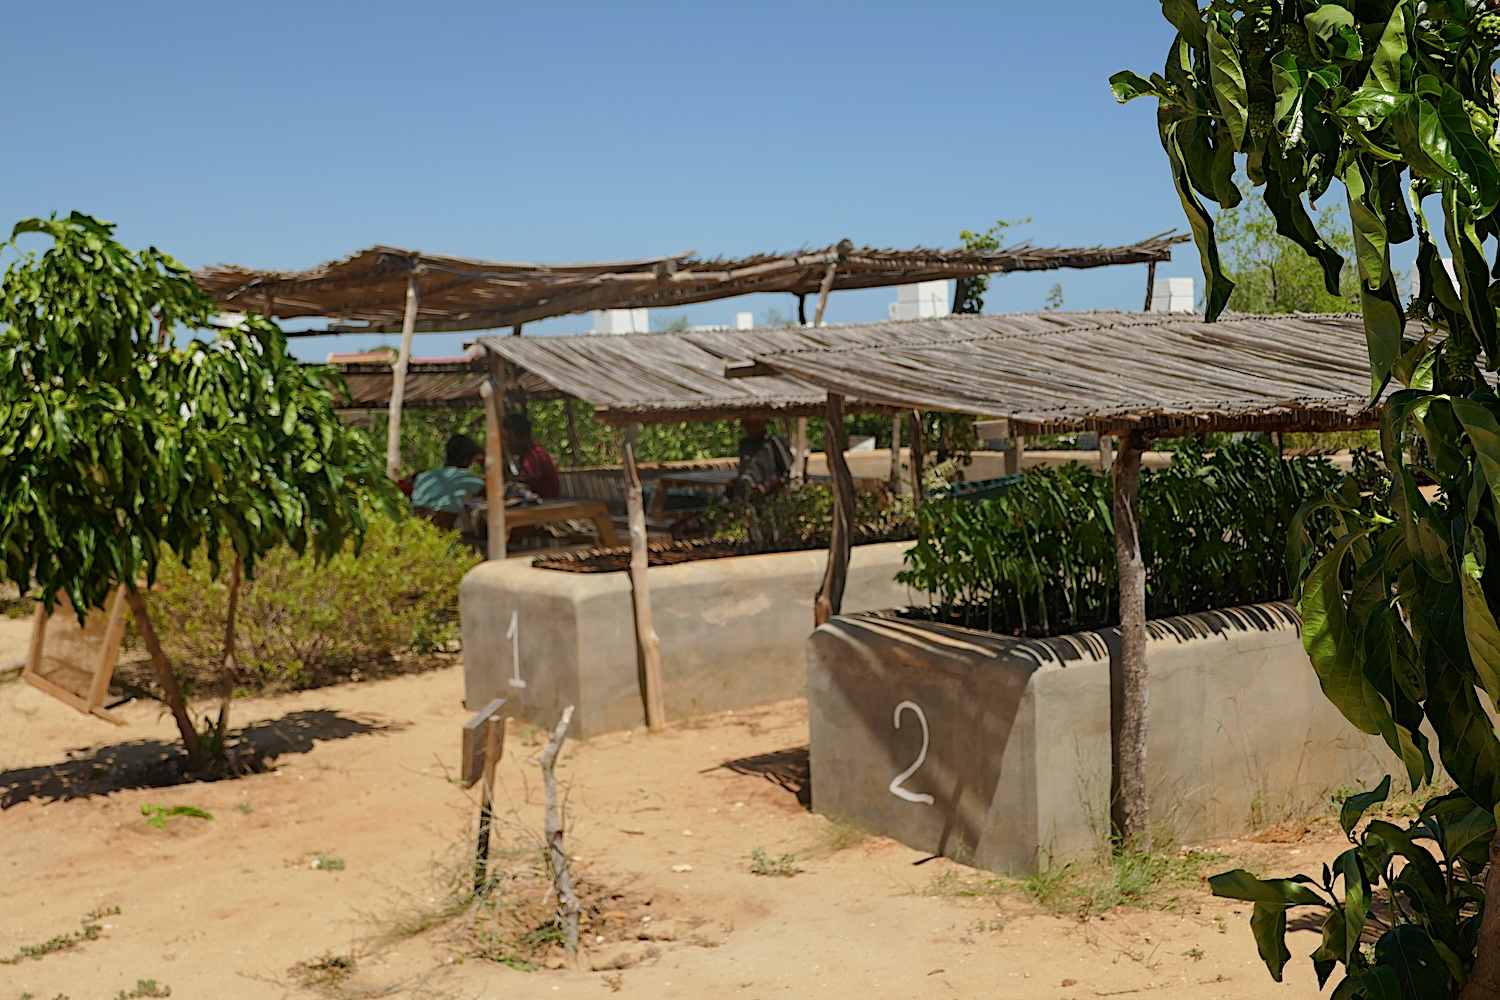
(429, 384)
(366, 292)
(1165, 374)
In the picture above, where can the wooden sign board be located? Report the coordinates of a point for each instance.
(74, 663)
(484, 742)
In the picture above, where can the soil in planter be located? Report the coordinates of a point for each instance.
(617, 560)
(981, 621)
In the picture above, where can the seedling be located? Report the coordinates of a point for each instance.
(145, 988)
(156, 814)
(762, 863)
(61, 942)
(325, 863)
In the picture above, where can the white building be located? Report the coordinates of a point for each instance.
(621, 321)
(922, 300)
(1172, 295)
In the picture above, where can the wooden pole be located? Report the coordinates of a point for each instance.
(227, 669)
(802, 449)
(1150, 283)
(493, 393)
(918, 452)
(515, 331)
(823, 289)
(895, 451)
(1130, 805)
(1014, 455)
(398, 379)
(575, 450)
(647, 642)
(1106, 451)
(494, 749)
(801, 310)
(830, 597)
(568, 907)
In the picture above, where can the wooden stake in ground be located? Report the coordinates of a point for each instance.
(167, 680)
(557, 858)
(228, 670)
(483, 746)
(494, 466)
(1130, 805)
(648, 644)
(398, 379)
(830, 597)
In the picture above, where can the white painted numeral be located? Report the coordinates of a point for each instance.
(514, 635)
(895, 786)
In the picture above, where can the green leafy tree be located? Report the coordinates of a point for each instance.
(119, 446)
(968, 293)
(1271, 274)
(1395, 99)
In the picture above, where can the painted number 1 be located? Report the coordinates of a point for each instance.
(514, 635)
(895, 786)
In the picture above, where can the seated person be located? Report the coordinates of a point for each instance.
(765, 462)
(439, 494)
(533, 467)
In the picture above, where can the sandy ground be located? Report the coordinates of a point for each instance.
(225, 907)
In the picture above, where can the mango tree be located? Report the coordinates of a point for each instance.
(119, 445)
(1396, 100)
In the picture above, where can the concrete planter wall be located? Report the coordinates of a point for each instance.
(733, 634)
(996, 751)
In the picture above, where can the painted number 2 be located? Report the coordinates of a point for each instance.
(896, 789)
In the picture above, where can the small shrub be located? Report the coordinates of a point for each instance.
(762, 863)
(156, 814)
(145, 988)
(324, 863)
(303, 624)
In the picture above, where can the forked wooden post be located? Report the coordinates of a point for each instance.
(494, 464)
(918, 455)
(647, 643)
(1129, 802)
(802, 449)
(824, 288)
(1150, 283)
(895, 450)
(398, 379)
(830, 597)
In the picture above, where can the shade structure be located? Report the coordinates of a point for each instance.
(429, 384)
(366, 292)
(1157, 373)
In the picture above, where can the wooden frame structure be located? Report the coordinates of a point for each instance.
(1143, 377)
(103, 650)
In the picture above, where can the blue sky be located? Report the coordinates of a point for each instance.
(280, 135)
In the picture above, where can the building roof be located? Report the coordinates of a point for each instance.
(1165, 374)
(366, 292)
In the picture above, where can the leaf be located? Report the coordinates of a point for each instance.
(1240, 884)
(1407, 950)
(1229, 82)
(1475, 163)
(1219, 287)
(1268, 927)
(1480, 629)
(1385, 62)
(1355, 806)
(1127, 86)
(1379, 983)
(1186, 19)
(1356, 902)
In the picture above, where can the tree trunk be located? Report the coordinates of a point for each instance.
(648, 644)
(1484, 978)
(166, 679)
(830, 598)
(557, 858)
(1130, 806)
(229, 672)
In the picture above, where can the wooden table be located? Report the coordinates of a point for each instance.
(552, 512)
(704, 480)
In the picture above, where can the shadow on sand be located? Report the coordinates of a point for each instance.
(787, 768)
(160, 764)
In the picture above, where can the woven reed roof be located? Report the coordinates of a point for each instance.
(366, 292)
(1165, 374)
(429, 384)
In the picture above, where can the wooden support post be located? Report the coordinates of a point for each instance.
(918, 451)
(493, 392)
(648, 644)
(483, 746)
(575, 450)
(1014, 455)
(802, 449)
(568, 907)
(1106, 451)
(830, 597)
(895, 451)
(1150, 283)
(515, 331)
(801, 310)
(398, 379)
(228, 672)
(824, 288)
(1129, 801)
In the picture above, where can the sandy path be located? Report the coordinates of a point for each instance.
(223, 908)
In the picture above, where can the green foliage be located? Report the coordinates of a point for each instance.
(798, 517)
(327, 863)
(145, 988)
(89, 931)
(1271, 274)
(157, 814)
(1054, 298)
(762, 863)
(304, 623)
(968, 294)
(1040, 558)
(424, 434)
(1429, 924)
(116, 446)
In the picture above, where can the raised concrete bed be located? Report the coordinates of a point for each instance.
(733, 634)
(996, 751)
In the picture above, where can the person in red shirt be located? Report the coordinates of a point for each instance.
(534, 467)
